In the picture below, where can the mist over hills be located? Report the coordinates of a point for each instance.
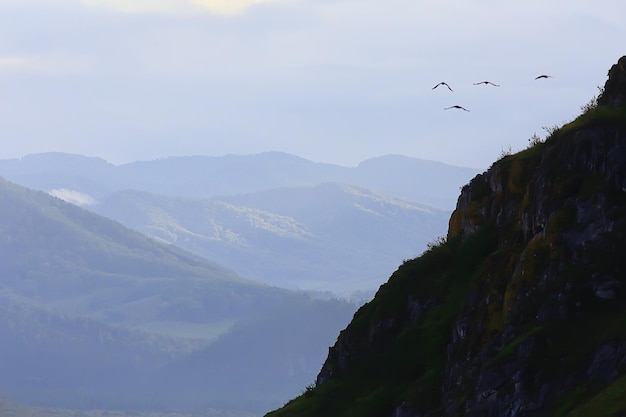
(271, 217)
(184, 333)
(50, 358)
(62, 255)
(91, 313)
(330, 237)
(426, 182)
(260, 362)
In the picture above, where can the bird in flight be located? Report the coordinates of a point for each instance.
(456, 107)
(543, 76)
(442, 83)
(487, 82)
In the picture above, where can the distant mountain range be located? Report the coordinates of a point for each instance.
(271, 217)
(426, 182)
(76, 262)
(94, 315)
(331, 237)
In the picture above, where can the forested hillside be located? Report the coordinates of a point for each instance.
(331, 237)
(96, 316)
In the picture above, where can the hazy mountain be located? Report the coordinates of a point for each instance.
(422, 181)
(272, 217)
(327, 237)
(91, 311)
(76, 262)
(521, 311)
(49, 171)
(58, 359)
(258, 364)
(426, 182)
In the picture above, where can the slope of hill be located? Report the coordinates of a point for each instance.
(76, 262)
(328, 237)
(53, 358)
(17, 410)
(258, 364)
(91, 311)
(422, 181)
(249, 213)
(521, 311)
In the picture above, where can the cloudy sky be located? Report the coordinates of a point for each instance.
(334, 81)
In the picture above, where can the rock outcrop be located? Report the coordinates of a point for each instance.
(521, 311)
(561, 213)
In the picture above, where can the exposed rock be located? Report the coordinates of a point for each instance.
(615, 88)
(568, 206)
(529, 290)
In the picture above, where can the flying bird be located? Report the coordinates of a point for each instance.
(442, 83)
(543, 76)
(456, 107)
(487, 82)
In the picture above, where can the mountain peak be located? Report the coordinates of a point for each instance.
(614, 93)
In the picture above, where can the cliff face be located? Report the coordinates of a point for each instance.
(550, 320)
(521, 311)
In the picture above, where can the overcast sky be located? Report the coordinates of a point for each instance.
(334, 81)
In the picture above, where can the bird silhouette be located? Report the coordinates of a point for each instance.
(487, 82)
(456, 107)
(543, 76)
(442, 83)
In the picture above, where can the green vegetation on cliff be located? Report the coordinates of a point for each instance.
(406, 357)
(521, 310)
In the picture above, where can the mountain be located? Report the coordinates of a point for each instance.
(521, 311)
(53, 358)
(258, 364)
(75, 262)
(48, 171)
(272, 217)
(94, 315)
(426, 182)
(329, 237)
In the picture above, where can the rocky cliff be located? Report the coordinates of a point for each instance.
(521, 310)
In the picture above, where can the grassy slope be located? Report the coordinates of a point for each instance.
(410, 364)
(8, 409)
(58, 255)
(414, 360)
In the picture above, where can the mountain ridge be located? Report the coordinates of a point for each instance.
(328, 237)
(345, 238)
(209, 176)
(52, 250)
(92, 312)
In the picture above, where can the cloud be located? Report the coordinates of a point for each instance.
(73, 197)
(141, 6)
(12, 63)
(229, 6)
(223, 7)
(44, 64)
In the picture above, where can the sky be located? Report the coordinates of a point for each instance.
(335, 81)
